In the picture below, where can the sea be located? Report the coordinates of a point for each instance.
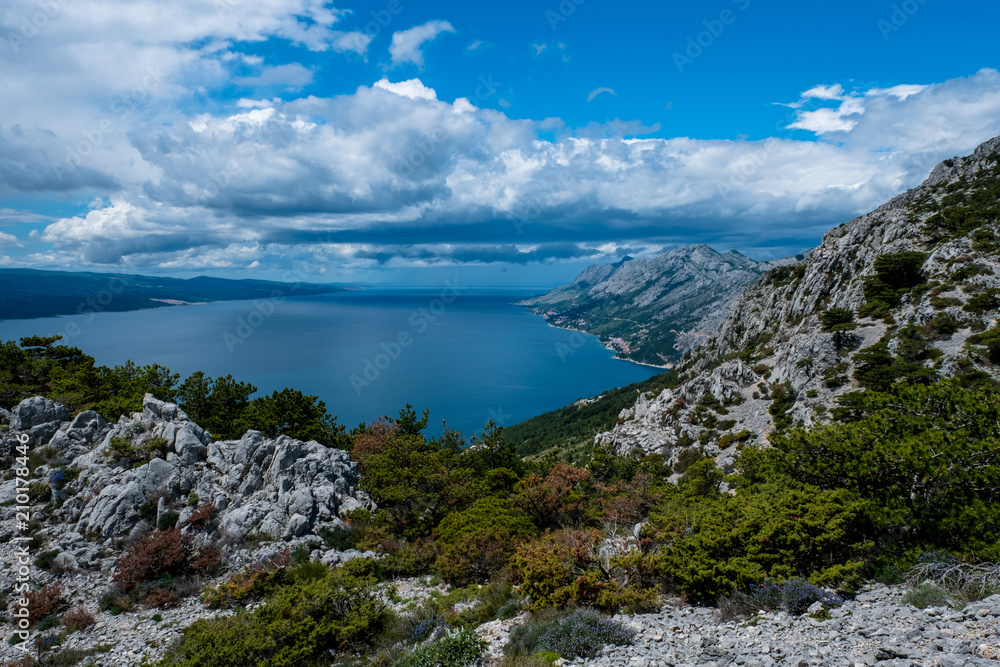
(468, 356)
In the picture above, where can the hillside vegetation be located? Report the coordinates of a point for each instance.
(908, 471)
(568, 433)
(841, 429)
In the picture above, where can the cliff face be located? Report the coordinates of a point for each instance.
(652, 310)
(912, 281)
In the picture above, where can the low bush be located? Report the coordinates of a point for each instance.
(162, 553)
(477, 542)
(77, 618)
(202, 516)
(299, 624)
(42, 602)
(964, 582)
(458, 648)
(926, 595)
(580, 634)
(45, 558)
(794, 596)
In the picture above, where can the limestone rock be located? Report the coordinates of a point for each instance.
(36, 411)
(282, 487)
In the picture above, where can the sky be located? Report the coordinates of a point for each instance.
(400, 142)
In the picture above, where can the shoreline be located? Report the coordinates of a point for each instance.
(617, 354)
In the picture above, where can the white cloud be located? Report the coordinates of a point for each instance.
(407, 45)
(351, 41)
(598, 91)
(9, 240)
(340, 181)
(412, 88)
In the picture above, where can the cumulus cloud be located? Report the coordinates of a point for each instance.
(391, 174)
(407, 45)
(412, 88)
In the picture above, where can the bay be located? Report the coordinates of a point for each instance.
(468, 356)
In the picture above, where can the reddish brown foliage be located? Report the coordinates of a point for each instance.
(161, 552)
(559, 498)
(160, 597)
(23, 662)
(381, 434)
(43, 602)
(77, 618)
(208, 557)
(201, 517)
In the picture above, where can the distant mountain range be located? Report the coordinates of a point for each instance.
(653, 310)
(30, 293)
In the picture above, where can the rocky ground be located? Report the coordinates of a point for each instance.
(290, 490)
(875, 628)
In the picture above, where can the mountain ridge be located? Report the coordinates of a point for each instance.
(652, 310)
(805, 335)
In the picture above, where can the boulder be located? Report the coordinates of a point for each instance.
(282, 487)
(35, 411)
(79, 435)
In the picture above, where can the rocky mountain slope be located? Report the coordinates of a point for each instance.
(899, 292)
(652, 310)
(92, 501)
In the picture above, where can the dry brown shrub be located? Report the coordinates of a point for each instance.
(201, 517)
(205, 559)
(159, 553)
(43, 602)
(161, 598)
(77, 618)
(381, 434)
(23, 662)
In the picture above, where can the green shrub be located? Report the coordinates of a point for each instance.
(168, 520)
(926, 595)
(989, 339)
(895, 275)
(476, 542)
(988, 299)
(580, 634)
(39, 491)
(783, 398)
(458, 648)
(837, 319)
(920, 457)
(298, 624)
(45, 558)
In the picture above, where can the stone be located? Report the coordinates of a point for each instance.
(36, 411)
(298, 526)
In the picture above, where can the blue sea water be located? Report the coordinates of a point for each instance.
(467, 356)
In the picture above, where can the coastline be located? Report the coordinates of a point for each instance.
(603, 344)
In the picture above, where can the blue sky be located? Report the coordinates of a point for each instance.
(402, 141)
